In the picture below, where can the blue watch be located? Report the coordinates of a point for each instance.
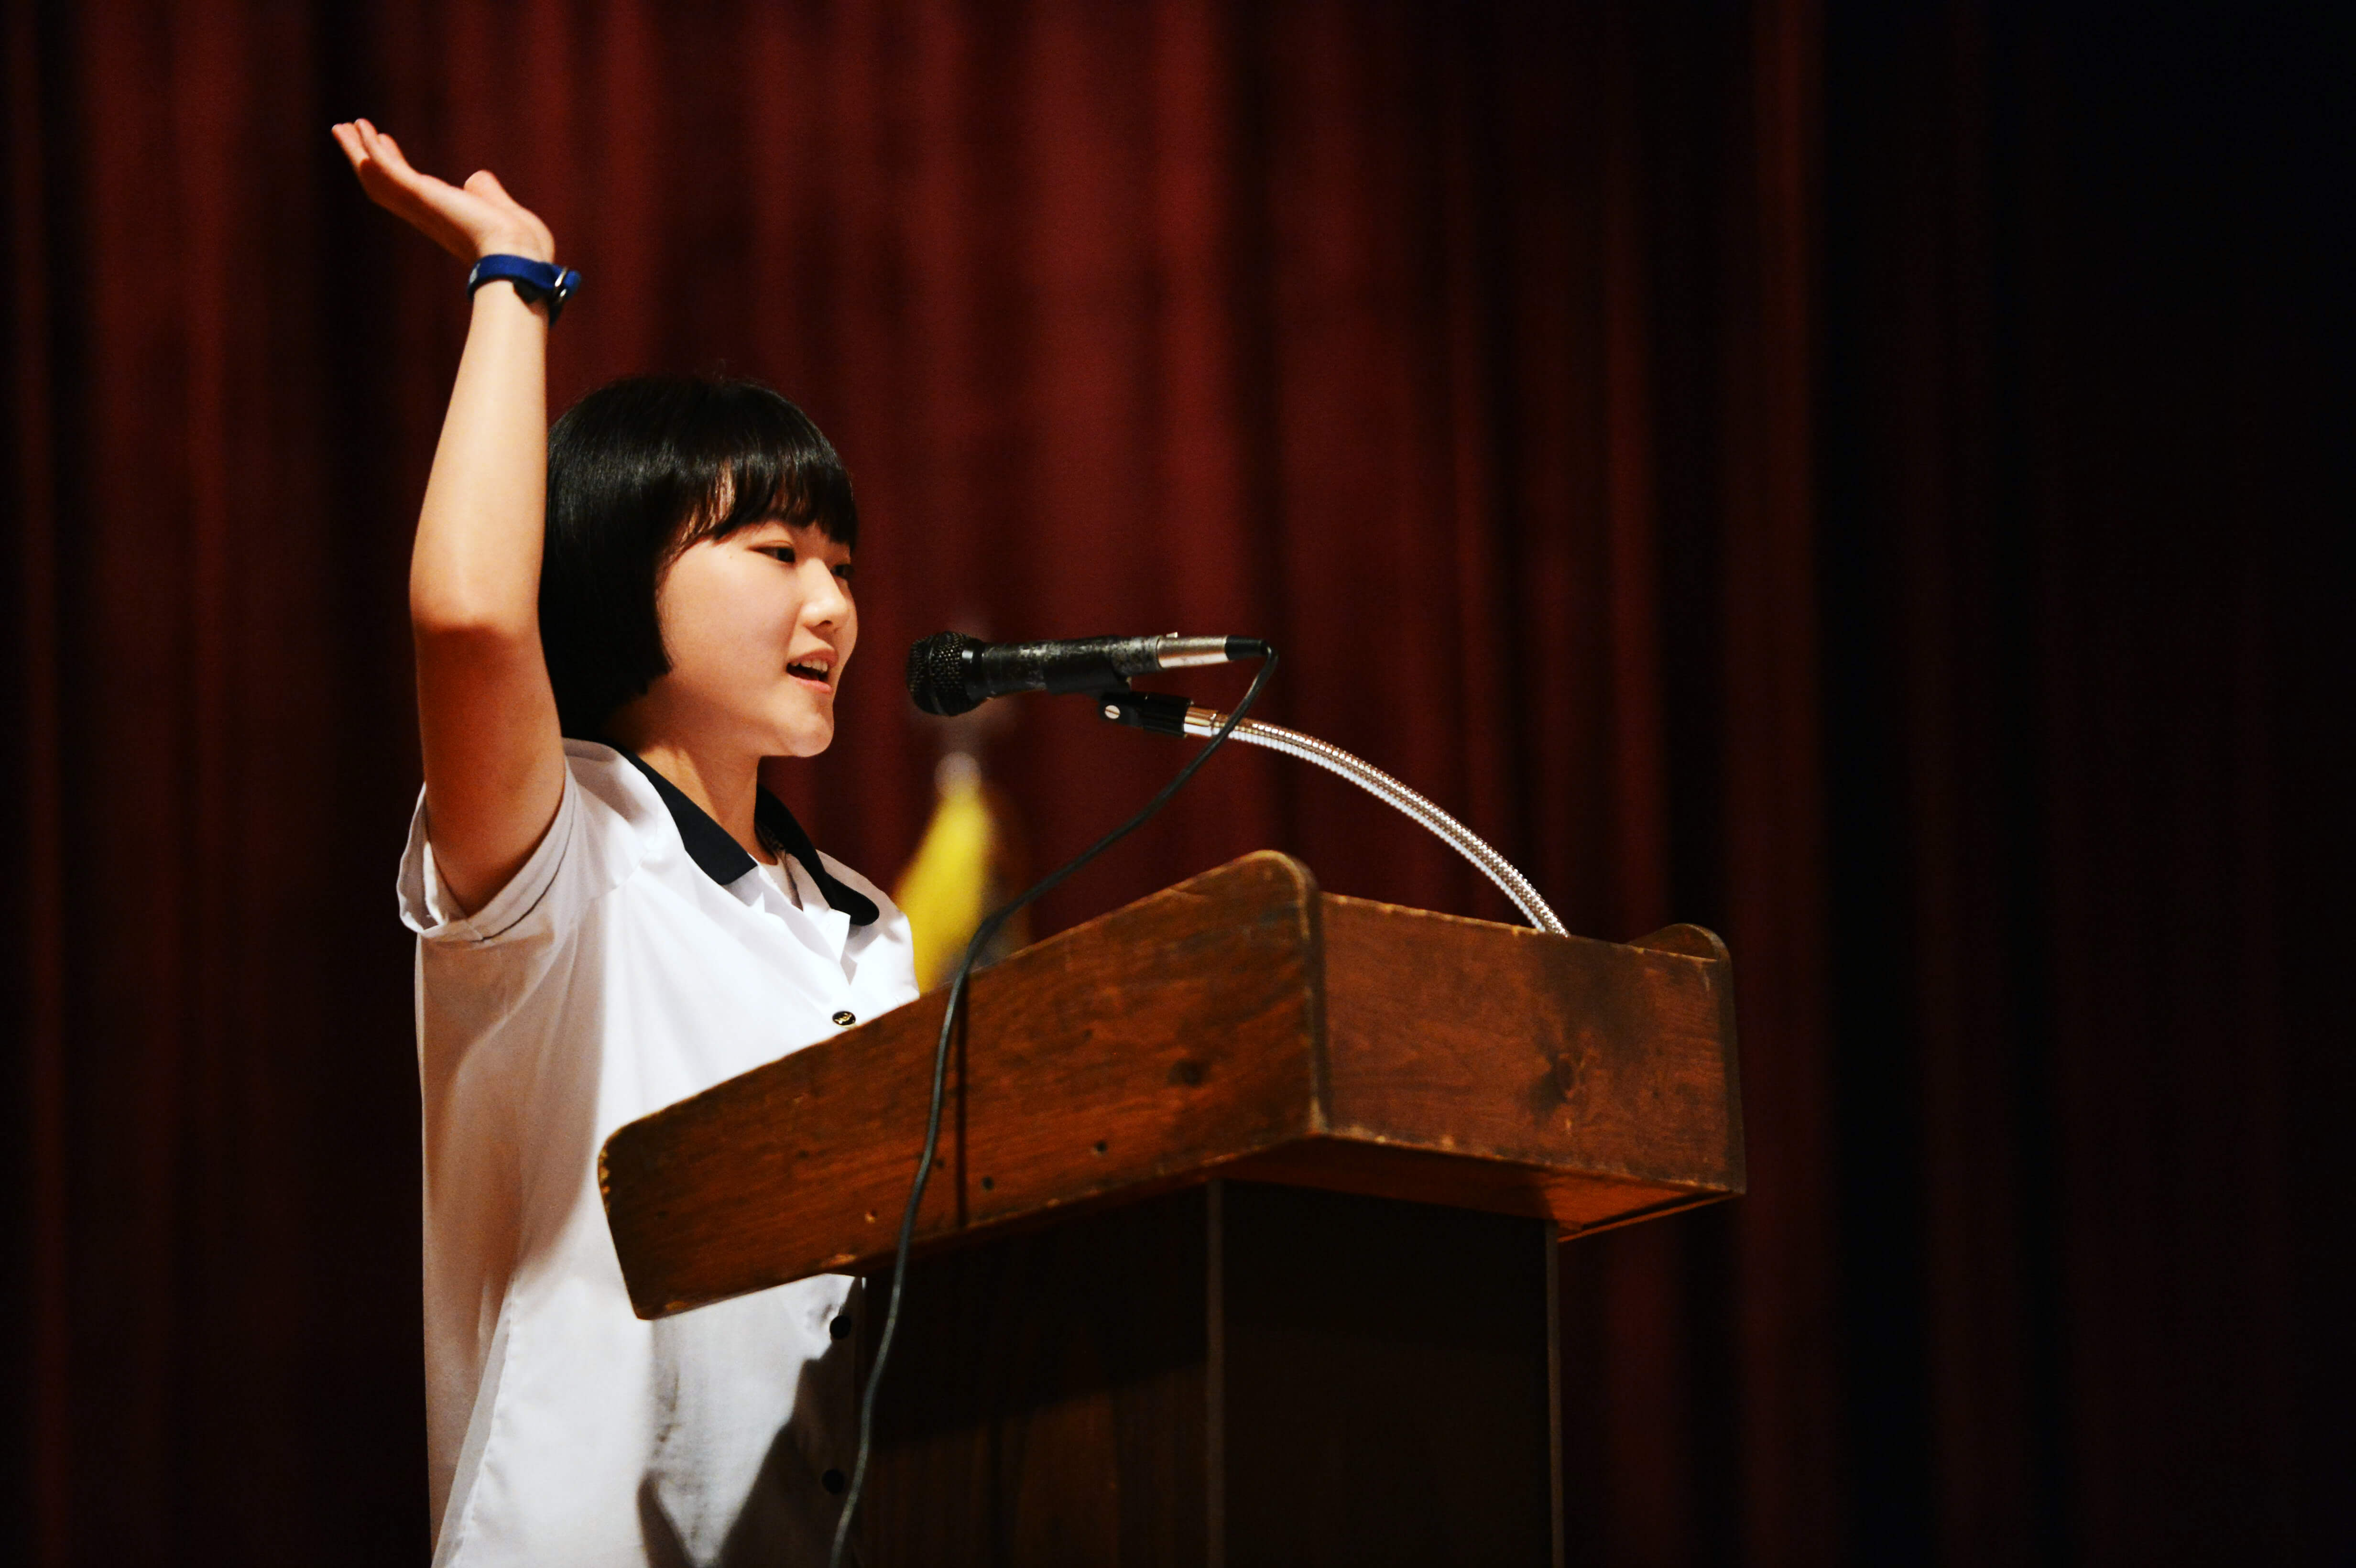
(532, 280)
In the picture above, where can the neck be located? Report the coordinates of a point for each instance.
(726, 790)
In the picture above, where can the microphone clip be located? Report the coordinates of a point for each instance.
(1163, 712)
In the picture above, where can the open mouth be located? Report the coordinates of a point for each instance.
(820, 673)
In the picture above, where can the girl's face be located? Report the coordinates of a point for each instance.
(758, 624)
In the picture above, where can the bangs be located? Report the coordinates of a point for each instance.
(756, 458)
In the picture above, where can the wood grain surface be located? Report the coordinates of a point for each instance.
(1123, 1055)
(1232, 1373)
(1241, 1024)
(1505, 1044)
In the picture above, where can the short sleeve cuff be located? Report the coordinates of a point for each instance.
(427, 908)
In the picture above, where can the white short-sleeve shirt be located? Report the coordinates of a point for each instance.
(639, 956)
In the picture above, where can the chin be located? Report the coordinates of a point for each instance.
(803, 740)
(797, 726)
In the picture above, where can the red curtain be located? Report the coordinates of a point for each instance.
(1483, 357)
(2085, 400)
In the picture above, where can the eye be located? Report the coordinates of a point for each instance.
(842, 572)
(784, 552)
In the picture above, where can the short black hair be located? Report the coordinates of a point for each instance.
(638, 470)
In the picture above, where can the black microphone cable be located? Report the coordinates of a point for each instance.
(973, 949)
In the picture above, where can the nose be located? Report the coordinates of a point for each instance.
(825, 603)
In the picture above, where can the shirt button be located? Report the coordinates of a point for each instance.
(846, 1019)
(833, 1481)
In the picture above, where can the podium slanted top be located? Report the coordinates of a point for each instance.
(1239, 1024)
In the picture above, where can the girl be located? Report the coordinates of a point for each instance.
(617, 622)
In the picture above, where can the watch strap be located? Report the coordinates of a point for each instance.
(533, 280)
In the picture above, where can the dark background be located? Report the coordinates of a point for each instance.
(1860, 477)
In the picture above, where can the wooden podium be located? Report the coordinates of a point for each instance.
(1240, 1247)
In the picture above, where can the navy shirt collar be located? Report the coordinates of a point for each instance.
(712, 847)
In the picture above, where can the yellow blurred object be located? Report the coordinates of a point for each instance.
(954, 878)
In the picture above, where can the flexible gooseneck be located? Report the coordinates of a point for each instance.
(1162, 711)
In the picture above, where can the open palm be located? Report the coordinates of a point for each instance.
(476, 219)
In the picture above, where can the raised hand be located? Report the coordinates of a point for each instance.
(470, 221)
(487, 717)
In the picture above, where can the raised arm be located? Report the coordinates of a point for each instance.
(485, 714)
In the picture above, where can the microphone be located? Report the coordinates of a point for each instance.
(951, 673)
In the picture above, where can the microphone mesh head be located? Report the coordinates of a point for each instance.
(937, 674)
